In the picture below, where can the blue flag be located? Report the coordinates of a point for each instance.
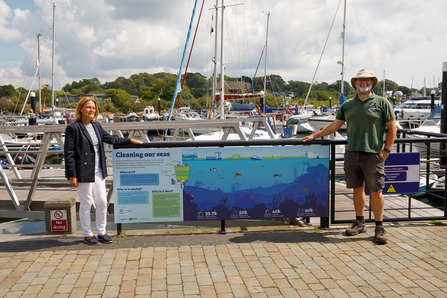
(342, 99)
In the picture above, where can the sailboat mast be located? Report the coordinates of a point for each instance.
(222, 77)
(343, 51)
(40, 75)
(213, 95)
(52, 67)
(265, 61)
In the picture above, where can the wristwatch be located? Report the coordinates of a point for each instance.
(386, 150)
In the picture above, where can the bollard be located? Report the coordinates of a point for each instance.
(60, 216)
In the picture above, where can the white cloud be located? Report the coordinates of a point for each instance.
(7, 33)
(111, 38)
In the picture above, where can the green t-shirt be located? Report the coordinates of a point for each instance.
(365, 121)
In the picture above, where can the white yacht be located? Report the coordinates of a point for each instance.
(415, 108)
(149, 113)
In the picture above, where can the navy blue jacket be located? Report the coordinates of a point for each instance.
(79, 152)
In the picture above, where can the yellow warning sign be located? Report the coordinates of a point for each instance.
(391, 189)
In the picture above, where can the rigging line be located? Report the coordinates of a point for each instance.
(66, 97)
(192, 46)
(40, 62)
(209, 50)
(246, 42)
(30, 58)
(57, 81)
(322, 52)
(238, 39)
(364, 38)
(260, 44)
(280, 51)
(254, 76)
(197, 104)
(229, 51)
(179, 74)
(26, 72)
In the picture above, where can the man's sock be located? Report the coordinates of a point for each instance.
(379, 223)
(360, 218)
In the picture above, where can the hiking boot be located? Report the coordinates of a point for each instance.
(105, 239)
(380, 235)
(356, 228)
(91, 241)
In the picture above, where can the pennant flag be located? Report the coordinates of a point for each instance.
(342, 99)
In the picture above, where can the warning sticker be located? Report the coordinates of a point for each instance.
(391, 189)
(59, 220)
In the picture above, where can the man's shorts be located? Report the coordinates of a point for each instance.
(364, 169)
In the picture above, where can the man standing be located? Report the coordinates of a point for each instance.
(69, 119)
(367, 116)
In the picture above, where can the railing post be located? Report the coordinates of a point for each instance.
(445, 195)
(332, 195)
(443, 112)
(222, 227)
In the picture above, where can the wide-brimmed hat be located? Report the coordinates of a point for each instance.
(364, 74)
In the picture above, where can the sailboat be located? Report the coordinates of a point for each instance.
(328, 119)
(55, 117)
(225, 108)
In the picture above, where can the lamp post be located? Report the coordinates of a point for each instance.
(159, 108)
(432, 97)
(342, 70)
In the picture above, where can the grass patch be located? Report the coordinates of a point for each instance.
(436, 223)
(123, 234)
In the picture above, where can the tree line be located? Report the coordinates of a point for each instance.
(140, 90)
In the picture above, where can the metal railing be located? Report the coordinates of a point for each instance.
(53, 135)
(23, 209)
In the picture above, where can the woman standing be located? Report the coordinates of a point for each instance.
(85, 166)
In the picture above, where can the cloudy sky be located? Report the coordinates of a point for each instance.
(111, 38)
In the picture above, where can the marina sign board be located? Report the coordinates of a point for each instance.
(402, 172)
(193, 184)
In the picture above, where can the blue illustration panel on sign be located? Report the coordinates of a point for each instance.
(139, 179)
(256, 183)
(133, 197)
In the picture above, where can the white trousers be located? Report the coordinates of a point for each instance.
(93, 193)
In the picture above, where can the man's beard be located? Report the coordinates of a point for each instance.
(364, 89)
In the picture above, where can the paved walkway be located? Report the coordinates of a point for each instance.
(254, 262)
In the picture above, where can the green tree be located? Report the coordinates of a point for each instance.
(7, 91)
(7, 105)
(91, 89)
(120, 99)
(404, 90)
(76, 91)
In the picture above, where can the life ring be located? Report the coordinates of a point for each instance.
(156, 116)
(278, 117)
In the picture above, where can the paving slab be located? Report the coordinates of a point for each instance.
(277, 261)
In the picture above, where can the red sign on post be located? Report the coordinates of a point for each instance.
(59, 220)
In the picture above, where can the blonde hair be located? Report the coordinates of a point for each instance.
(82, 102)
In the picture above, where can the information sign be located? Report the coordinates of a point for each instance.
(402, 173)
(193, 184)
